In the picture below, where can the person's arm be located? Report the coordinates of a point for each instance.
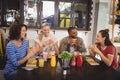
(90, 49)
(38, 48)
(56, 48)
(31, 53)
(21, 61)
(106, 59)
(63, 45)
(12, 56)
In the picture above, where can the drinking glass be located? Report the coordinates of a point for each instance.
(41, 62)
(45, 55)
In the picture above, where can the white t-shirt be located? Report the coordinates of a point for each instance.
(45, 39)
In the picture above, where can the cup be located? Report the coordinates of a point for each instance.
(41, 62)
(45, 54)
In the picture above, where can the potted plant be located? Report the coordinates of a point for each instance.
(65, 56)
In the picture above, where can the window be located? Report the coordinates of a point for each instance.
(64, 14)
(80, 15)
(30, 12)
(60, 14)
(12, 16)
(9, 12)
(48, 12)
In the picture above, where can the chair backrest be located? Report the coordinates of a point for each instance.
(1, 44)
(118, 57)
(2, 75)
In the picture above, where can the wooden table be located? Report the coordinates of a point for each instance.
(86, 72)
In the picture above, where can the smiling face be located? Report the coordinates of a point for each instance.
(23, 32)
(99, 38)
(46, 30)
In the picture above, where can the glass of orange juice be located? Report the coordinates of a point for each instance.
(41, 62)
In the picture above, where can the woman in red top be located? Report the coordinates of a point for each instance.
(105, 49)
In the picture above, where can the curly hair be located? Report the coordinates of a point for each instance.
(15, 31)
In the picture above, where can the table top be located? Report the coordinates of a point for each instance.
(86, 72)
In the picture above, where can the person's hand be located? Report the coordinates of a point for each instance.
(95, 49)
(72, 41)
(68, 41)
(91, 50)
(77, 43)
(48, 42)
(91, 47)
(31, 53)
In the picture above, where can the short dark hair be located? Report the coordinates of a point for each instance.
(15, 30)
(71, 28)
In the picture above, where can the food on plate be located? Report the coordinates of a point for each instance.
(92, 61)
(31, 62)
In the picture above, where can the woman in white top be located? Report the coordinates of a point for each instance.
(46, 40)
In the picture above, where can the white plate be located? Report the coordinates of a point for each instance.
(35, 57)
(28, 68)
